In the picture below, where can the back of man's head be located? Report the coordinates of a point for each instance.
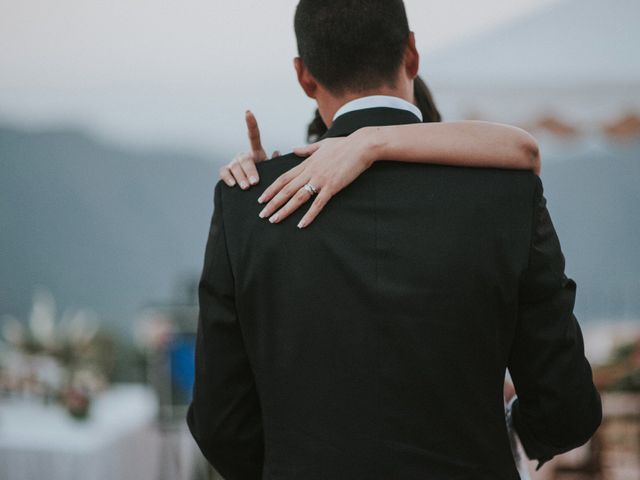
(352, 45)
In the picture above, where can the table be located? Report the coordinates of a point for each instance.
(118, 441)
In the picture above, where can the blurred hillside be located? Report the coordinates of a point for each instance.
(567, 42)
(574, 59)
(114, 230)
(594, 200)
(100, 227)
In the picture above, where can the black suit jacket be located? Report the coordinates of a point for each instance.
(374, 343)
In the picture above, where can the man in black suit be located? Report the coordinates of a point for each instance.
(374, 343)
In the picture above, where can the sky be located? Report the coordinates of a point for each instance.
(182, 73)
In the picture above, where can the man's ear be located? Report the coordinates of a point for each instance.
(412, 58)
(305, 79)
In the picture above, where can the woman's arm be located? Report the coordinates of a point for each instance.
(334, 163)
(464, 144)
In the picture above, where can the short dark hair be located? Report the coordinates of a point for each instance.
(352, 45)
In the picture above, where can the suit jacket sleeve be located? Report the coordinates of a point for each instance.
(224, 416)
(558, 407)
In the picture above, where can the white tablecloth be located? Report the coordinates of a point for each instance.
(118, 441)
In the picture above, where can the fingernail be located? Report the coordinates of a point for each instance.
(261, 199)
(253, 180)
(231, 183)
(301, 224)
(274, 218)
(243, 185)
(262, 214)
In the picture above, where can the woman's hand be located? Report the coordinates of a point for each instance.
(242, 169)
(335, 163)
(332, 164)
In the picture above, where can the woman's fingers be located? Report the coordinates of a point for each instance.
(249, 168)
(301, 197)
(318, 204)
(238, 173)
(289, 190)
(307, 150)
(227, 176)
(280, 183)
(241, 170)
(276, 154)
(254, 137)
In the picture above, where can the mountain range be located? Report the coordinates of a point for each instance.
(99, 226)
(568, 43)
(115, 229)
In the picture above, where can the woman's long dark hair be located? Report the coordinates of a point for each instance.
(424, 101)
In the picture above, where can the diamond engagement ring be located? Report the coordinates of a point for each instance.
(311, 189)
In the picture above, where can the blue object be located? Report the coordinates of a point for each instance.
(181, 356)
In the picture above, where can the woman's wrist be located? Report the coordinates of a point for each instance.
(372, 143)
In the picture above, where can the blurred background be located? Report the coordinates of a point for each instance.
(114, 119)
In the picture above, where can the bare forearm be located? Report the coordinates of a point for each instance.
(468, 144)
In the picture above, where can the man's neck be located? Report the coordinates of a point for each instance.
(378, 101)
(329, 105)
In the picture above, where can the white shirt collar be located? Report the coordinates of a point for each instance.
(376, 101)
